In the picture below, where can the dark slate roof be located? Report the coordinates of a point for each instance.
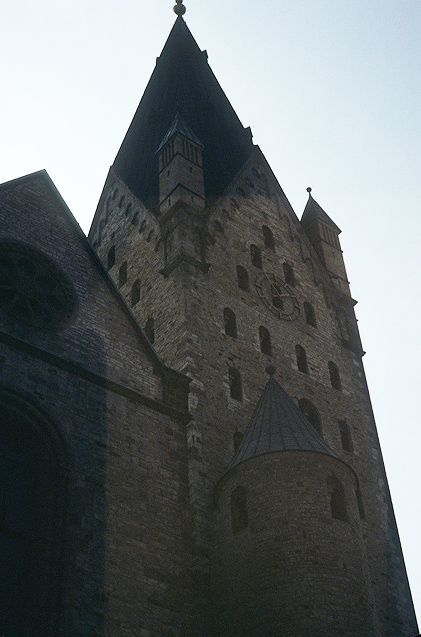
(313, 211)
(182, 83)
(179, 126)
(277, 425)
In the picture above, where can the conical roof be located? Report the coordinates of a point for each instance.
(182, 83)
(313, 211)
(278, 425)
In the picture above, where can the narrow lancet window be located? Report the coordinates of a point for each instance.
(335, 379)
(122, 274)
(311, 413)
(234, 378)
(150, 329)
(289, 274)
(268, 238)
(265, 341)
(242, 278)
(135, 292)
(301, 359)
(256, 256)
(337, 499)
(346, 439)
(310, 314)
(230, 323)
(111, 258)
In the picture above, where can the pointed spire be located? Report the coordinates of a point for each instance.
(182, 83)
(277, 425)
(313, 211)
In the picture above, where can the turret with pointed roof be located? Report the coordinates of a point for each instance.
(324, 235)
(182, 83)
(285, 483)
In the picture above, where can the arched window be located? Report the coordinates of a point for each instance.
(238, 437)
(256, 256)
(346, 439)
(265, 342)
(335, 379)
(242, 278)
(337, 499)
(289, 274)
(32, 493)
(135, 292)
(268, 238)
(310, 314)
(122, 274)
(239, 513)
(234, 378)
(230, 323)
(150, 330)
(310, 412)
(301, 359)
(111, 258)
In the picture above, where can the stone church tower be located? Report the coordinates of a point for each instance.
(187, 446)
(292, 526)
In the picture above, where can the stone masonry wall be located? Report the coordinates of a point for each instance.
(188, 310)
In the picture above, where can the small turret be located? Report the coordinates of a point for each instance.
(324, 236)
(180, 169)
(290, 557)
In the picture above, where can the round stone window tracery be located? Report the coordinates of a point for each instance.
(33, 289)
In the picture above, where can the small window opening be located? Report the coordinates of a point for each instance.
(256, 256)
(150, 330)
(135, 292)
(122, 274)
(289, 274)
(265, 341)
(111, 258)
(337, 499)
(239, 513)
(346, 439)
(310, 412)
(243, 278)
(238, 437)
(335, 379)
(301, 359)
(230, 323)
(310, 314)
(234, 377)
(268, 238)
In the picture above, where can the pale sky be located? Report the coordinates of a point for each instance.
(331, 90)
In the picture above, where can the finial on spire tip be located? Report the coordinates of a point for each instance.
(309, 190)
(179, 8)
(271, 370)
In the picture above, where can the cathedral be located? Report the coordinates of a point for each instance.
(187, 442)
